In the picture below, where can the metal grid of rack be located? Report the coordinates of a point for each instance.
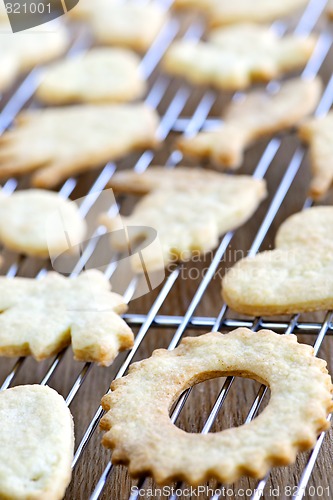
(171, 120)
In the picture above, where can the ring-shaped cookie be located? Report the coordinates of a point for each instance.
(142, 435)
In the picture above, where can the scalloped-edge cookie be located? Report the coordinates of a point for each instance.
(60, 142)
(128, 24)
(41, 317)
(102, 75)
(258, 113)
(190, 208)
(24, 219)
(233, 58)
(142, 436)
(224, 12)
(20, 52)
(318, 133)
(37, 443)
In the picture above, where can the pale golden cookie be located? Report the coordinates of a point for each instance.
(102, 75)
(41, 317)
(131, 24)
(257, 114)
(22, 51)
(60, 142)
(235, 57)
(25, 219)
(282, 281)
(37, 444)
(143, 437)
(312, 226)
(330, 9)
(189, 208)
(318, 133)
(223, 12)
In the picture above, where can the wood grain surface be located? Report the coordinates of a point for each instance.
(283, 480)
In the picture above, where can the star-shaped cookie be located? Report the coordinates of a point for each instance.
(41, 317)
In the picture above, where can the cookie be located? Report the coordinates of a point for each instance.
(257, 114)
(20, 52)
(37, 443)
(318, 133)
(142, 436)
(330, 9)
(189, 208)
(60, 142)
(282, 281)
(294, 278)
(41, 317)
(311, 227)
(224, 12)
(25, 218)
(103, 75)
(131, 24)
(236, 57)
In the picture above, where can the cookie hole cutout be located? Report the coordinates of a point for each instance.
(233, 412)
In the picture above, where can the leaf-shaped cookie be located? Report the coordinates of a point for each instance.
(37, 443)
(22, 51)
(41, 317)
(235, 57)
(257, 114)
(25, 218)
(189, 208)
(318, 133)
(222, 12)
(101, 75)
(296, 277)
(129, 24)
(60, 142)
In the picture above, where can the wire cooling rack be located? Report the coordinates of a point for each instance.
(171, 99)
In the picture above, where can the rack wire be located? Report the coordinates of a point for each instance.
(172, 120)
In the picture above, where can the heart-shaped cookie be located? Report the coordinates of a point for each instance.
(296, 277)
